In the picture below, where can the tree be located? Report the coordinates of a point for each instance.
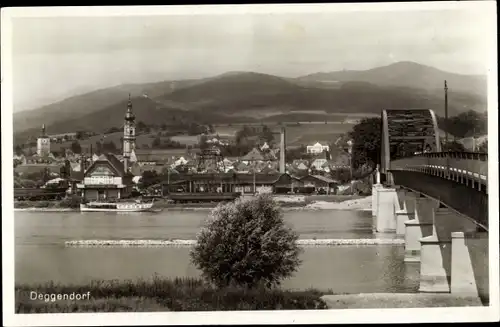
(18, 150)
(109, 147)
(483, 147)
(80, 135)
(211, 129)
(76, 147)
(453, 146)
(202, 144)
(156, 142)
(98, 148)
(149, 178)
(366, 137)
(465, 124)
(246, 243)
(141, 126)
(266, 135)
(343, 175)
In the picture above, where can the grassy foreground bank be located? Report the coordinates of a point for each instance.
(159, 294)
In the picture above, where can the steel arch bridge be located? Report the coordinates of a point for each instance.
(411, 157)
(406, 132)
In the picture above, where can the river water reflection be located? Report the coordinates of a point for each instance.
(41, 256)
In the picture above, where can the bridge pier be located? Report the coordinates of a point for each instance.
(419, 227)
(385, 219)
(405, 210)
(444, 252)
(470, 264)
(375, 189)
(435, 255)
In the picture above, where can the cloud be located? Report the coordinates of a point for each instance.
(68, 53)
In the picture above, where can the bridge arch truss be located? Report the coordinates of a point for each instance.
(406, 132)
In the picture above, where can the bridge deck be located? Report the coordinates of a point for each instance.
(458, 179)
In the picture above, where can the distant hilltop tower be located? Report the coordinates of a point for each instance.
(128, 136)
(43, 143)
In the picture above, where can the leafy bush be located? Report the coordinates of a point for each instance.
(246, 243)
(72, 201)
(42, 204)
(23, 204)
(483, 147)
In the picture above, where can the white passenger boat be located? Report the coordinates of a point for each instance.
(117, 206)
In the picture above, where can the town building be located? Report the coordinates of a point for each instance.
(319, 163)
(105, 179)
(318, 183)
(43, 144)
(317, 148)
(231, 182)
(51, 169)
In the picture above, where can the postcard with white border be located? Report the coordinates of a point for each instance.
(263, 164)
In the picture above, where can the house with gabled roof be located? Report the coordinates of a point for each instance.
(241, 167)
(300, 164)
(318, 163)
(315, 183)
(105, 179)
(253, 156)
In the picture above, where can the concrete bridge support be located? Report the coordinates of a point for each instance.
(451, 250)
(470, 264)
(420, 226)
(385, 219)
(405, 210)
(436, 259)
(375, 189)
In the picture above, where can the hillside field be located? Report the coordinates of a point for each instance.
(303, 134)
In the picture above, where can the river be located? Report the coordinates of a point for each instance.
(41, 255)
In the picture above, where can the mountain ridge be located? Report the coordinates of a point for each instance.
(396, 74)
(238, 95)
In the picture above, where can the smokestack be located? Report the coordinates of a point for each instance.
(446, 109)
(282, 151)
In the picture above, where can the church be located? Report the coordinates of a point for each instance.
(107, 178)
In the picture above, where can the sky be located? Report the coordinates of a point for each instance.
(57, 57)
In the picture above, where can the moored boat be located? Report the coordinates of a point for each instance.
(117, 206)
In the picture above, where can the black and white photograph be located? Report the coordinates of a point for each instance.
(233, 164)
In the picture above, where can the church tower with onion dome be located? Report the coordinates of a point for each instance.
(128, 136)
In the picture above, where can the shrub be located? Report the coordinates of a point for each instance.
(23, 204)
(246, 243)
(42, 204)
(71, 201)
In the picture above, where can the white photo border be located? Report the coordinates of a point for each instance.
(463, 314)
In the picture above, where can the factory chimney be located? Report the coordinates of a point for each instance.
(282, 150)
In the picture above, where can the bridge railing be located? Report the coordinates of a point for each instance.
(470, 168)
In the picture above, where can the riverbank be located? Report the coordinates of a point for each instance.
(192, 294)
(361, 203)
(399, 300)
(287, 202)
(158, 294)
(190, 243)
